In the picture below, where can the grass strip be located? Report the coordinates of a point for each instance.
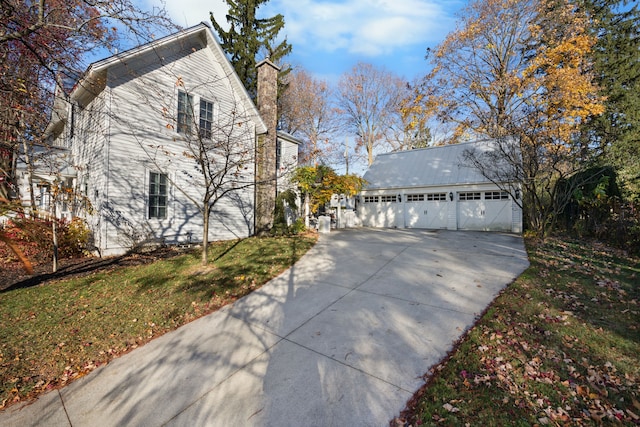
(59, 331)
(559, 346)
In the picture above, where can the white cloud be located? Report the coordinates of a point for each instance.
(328, 36)
(187, 13)
(364, 27)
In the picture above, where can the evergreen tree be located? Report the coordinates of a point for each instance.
(249, 36)
(616, 59)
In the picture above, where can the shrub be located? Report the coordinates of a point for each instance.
(34, 236)
(284, 200)
(298, 226)
(73, 238)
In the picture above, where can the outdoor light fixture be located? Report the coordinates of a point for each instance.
(450, 196)
(517, 193)
(399, 198)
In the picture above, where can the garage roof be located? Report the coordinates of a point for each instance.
(433, 166)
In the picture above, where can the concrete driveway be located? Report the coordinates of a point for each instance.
(341, 339)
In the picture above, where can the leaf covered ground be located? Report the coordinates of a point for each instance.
(59, 330)
(560, 346)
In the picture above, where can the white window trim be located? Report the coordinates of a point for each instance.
(169, 206)
(194, 102)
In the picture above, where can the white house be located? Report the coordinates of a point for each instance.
(432, 188)
(129, 136)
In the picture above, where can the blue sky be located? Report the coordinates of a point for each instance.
(330, 36)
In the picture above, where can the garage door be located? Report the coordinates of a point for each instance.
(381, 211)
(498, 211)
(487, 211)
(426, 210)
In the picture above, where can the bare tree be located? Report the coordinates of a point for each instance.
(182, 144)
(41, 44)
(306, 111)
(370, 102)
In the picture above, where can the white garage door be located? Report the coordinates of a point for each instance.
(381, 211)
(498, 211)
(426, 210)
(487, 211)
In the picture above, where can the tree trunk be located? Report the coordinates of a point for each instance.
(205, 235)
(55, 238)
(306, 210)
(370, 141)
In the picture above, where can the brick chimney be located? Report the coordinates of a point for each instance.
(266, 149)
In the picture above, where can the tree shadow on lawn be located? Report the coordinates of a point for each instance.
(84, 267)
(232, 278)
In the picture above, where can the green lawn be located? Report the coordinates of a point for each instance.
(58, 331)
(560, 346)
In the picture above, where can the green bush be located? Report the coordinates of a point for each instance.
(280, 226)
(298, 226)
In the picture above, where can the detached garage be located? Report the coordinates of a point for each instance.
(431, 188)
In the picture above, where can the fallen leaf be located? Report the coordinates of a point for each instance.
(450, 408)
(632, 415)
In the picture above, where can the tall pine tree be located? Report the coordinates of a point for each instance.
(616, 59)
(249, 36)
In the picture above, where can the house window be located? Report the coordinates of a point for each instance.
(436, 197)
(470, 196)
(44, 197)
(415, 197)
(206, 119)
(67, 190)
(85, 193)
(157, 195)
(185, 112)
(496, 195)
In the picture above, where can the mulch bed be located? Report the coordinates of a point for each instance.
(13, 276)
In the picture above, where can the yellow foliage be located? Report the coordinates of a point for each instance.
(321, 182)
(512, 67)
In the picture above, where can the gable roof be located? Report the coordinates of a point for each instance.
(432, 166)
(94, 75)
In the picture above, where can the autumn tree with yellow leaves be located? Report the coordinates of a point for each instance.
(319, 183)
(518, 72)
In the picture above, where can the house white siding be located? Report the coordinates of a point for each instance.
(144, 139)
(87, 134)
(120, 128)
(286, 160)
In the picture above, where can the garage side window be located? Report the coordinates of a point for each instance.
(470, 196)
(157, 195)
(371, 199)
(496, 195)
